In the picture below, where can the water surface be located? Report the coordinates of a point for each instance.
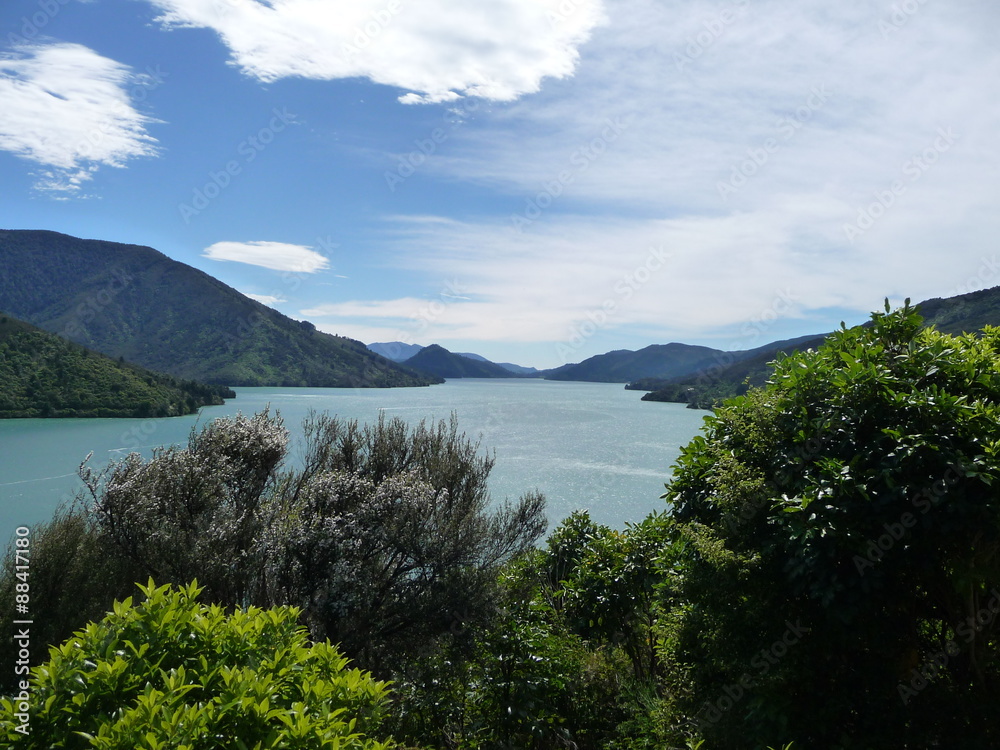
(584, 445)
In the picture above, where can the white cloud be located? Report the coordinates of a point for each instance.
(438, 50)
(277, 256)
(68, 109)
(822, 107)
(266, 299)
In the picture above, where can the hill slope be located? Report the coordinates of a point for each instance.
(437, 360)
(134, 302)
(397, 351)
(965, 313)
(624, 365)
(509, 366)
(42, 375)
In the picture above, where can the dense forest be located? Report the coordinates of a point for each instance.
(43, 375)
(825, 574)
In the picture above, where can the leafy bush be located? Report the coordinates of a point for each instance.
(171, 672)
(73, 580)
(840, 549)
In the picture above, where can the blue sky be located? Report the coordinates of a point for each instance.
(533, 180)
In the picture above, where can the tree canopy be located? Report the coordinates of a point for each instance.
(840, 532)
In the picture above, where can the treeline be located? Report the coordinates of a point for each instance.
(43, 375)
(826, 573)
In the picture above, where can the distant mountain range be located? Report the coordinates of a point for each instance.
(43, 375)
(136, 303)
(397, 351)
(697, 375)
(705, 387)
(436, 360)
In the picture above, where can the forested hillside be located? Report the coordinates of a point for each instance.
(42, 375)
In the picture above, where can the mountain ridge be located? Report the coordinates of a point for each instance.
(134, 302)
(436, 360)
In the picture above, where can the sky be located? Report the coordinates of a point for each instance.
(536, 181)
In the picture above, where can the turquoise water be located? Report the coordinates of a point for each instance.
(584, 445)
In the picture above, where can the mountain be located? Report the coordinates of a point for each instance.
(43, 375)
(709, 386)
(964, 313)
(134, 302)
(437, 360)
(624, 365)
(510, 367)
(397, 351)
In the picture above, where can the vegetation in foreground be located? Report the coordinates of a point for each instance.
(825, 574)
(43, 375)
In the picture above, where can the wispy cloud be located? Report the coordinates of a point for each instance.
(757, 134)
(277, 256)
(436, 50)
(67, 109)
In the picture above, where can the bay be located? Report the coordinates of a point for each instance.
(592, 446)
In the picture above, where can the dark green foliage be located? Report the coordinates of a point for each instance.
(840, 527)
(42, 375)
(73, 578)
(134, 302)
(567, 660)
(170, 672)
(521, 679)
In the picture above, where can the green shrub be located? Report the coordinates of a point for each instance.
(840, 549)
(171, 672)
